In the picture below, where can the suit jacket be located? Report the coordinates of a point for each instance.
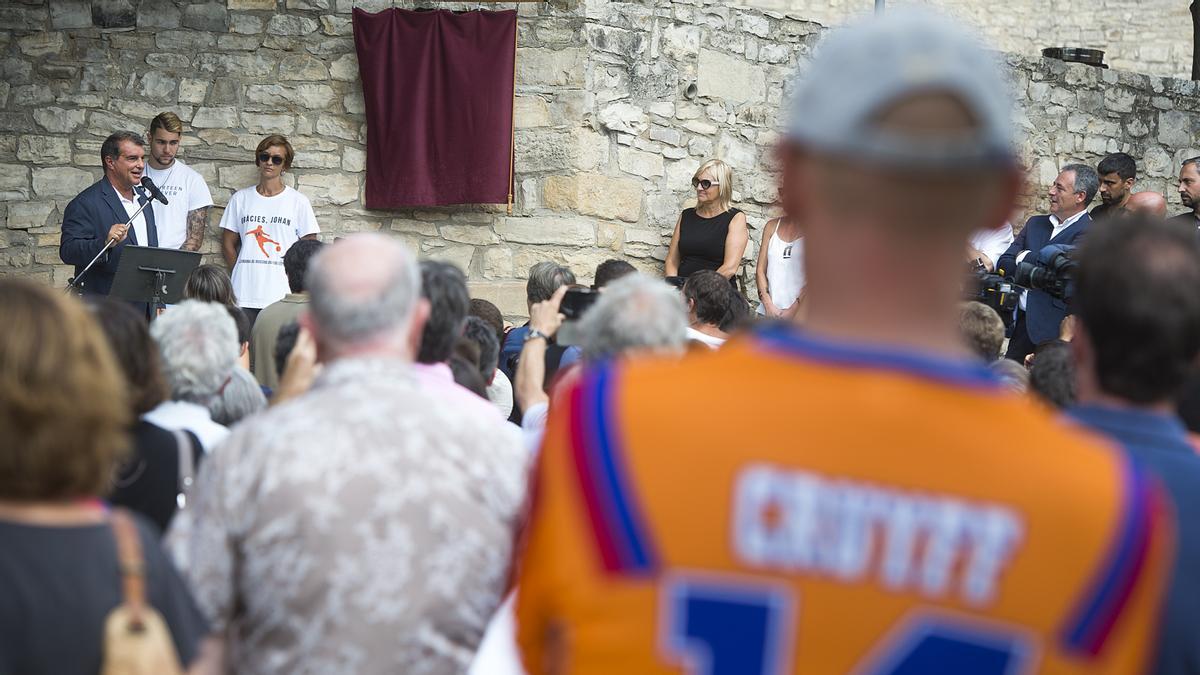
(1043, 312)
(86, 223)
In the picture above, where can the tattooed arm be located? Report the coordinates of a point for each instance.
(197, 223)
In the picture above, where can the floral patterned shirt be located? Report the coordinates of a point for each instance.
(365, 527)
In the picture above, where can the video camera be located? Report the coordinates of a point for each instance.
(992, 290)
(1051, 271)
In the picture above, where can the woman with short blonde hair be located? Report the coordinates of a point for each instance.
(713, 234)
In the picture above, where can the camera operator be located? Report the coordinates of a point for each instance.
(1040, 314)
(1137, 338)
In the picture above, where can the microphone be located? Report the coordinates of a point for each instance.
(154, 191)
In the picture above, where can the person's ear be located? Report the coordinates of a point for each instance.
(416, 325)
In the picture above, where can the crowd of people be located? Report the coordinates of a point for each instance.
(330, 458)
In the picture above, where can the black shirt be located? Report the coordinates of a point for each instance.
(58, 585)
(148, 482)
(702, 241)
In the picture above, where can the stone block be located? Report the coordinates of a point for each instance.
(459, 255)
(531, 111)
(113, 14)
(60, 181)
(169, 61)
(325, 190)
(268, 123)
(40, 44)
(623, 117)
(729, 78)
(740, 155)
(306, 159)
(245, 24)
(241, 65)
(497, 262)
(291, 25)
(192, 91)
(14, 182)
(508, 296)
(478, 235)
(610, 235)
(15, 121)
(309, 5)
(215, 118)
(1119, 100)
(15, 71)
(238, 43)
(210, 16)
(44, 149)
(638, 163)
(354, 160)
(550, 67)
(338, 127)
(161, 14)
(1175, 128)
(304, 96)
(26, 215)
(665, 135)
(302, 67)
(184, 41)
(237, 176)
(344, 68)
(412, 226)
(65, 14)
(14, 17)
(542, 150)
(251, 5)
(336, 25)
(558, 231)
(354, 103)
(158, 85)
(595, 195)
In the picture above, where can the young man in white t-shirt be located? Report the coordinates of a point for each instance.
(260, 224)
(184, 218)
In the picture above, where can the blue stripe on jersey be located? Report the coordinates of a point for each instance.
(626, 524)
(783, 338)
(1089, 625)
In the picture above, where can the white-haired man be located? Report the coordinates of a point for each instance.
(199, 345)
(364, 526)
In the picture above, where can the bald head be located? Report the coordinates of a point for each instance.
(363, 289)
(1149, 204)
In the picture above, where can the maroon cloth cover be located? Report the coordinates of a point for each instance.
(439, 94)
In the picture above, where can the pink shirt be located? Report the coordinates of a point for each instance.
(437, 378)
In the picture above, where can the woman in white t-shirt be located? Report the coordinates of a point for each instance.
(780, 272)
(260, 224)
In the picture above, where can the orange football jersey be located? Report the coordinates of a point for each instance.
(792, 505)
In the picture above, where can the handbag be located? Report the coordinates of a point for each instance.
(136, 638)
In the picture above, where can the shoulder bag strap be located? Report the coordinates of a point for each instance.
(131, 565)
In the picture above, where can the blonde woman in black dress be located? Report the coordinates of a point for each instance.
(713, 234)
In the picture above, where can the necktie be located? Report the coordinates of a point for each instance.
(151, 228)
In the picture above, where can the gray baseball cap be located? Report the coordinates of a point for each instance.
(860, 70)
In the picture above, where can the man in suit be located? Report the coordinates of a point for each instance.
(1041, 314)
(100, 213)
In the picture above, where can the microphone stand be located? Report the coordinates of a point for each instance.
(73, 283)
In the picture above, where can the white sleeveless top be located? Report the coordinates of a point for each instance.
(785, 271)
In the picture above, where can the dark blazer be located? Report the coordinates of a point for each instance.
(85, 227)
(1043, 312)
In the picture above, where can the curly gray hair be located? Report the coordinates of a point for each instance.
(199, 346)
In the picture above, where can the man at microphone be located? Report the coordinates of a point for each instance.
(102, 213)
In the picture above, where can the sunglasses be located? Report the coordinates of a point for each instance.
(265, 157)
(704, 184)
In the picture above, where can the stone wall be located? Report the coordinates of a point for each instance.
(1143, 36)
(618, 102)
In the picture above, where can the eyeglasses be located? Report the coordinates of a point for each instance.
(265, 157)
(704, 184)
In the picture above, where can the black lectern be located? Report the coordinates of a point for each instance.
(154, 275)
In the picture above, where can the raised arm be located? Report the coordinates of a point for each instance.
(735, 246)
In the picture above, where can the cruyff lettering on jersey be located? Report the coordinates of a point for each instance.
(799, 521)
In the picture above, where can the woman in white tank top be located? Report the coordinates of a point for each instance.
(780, 270)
